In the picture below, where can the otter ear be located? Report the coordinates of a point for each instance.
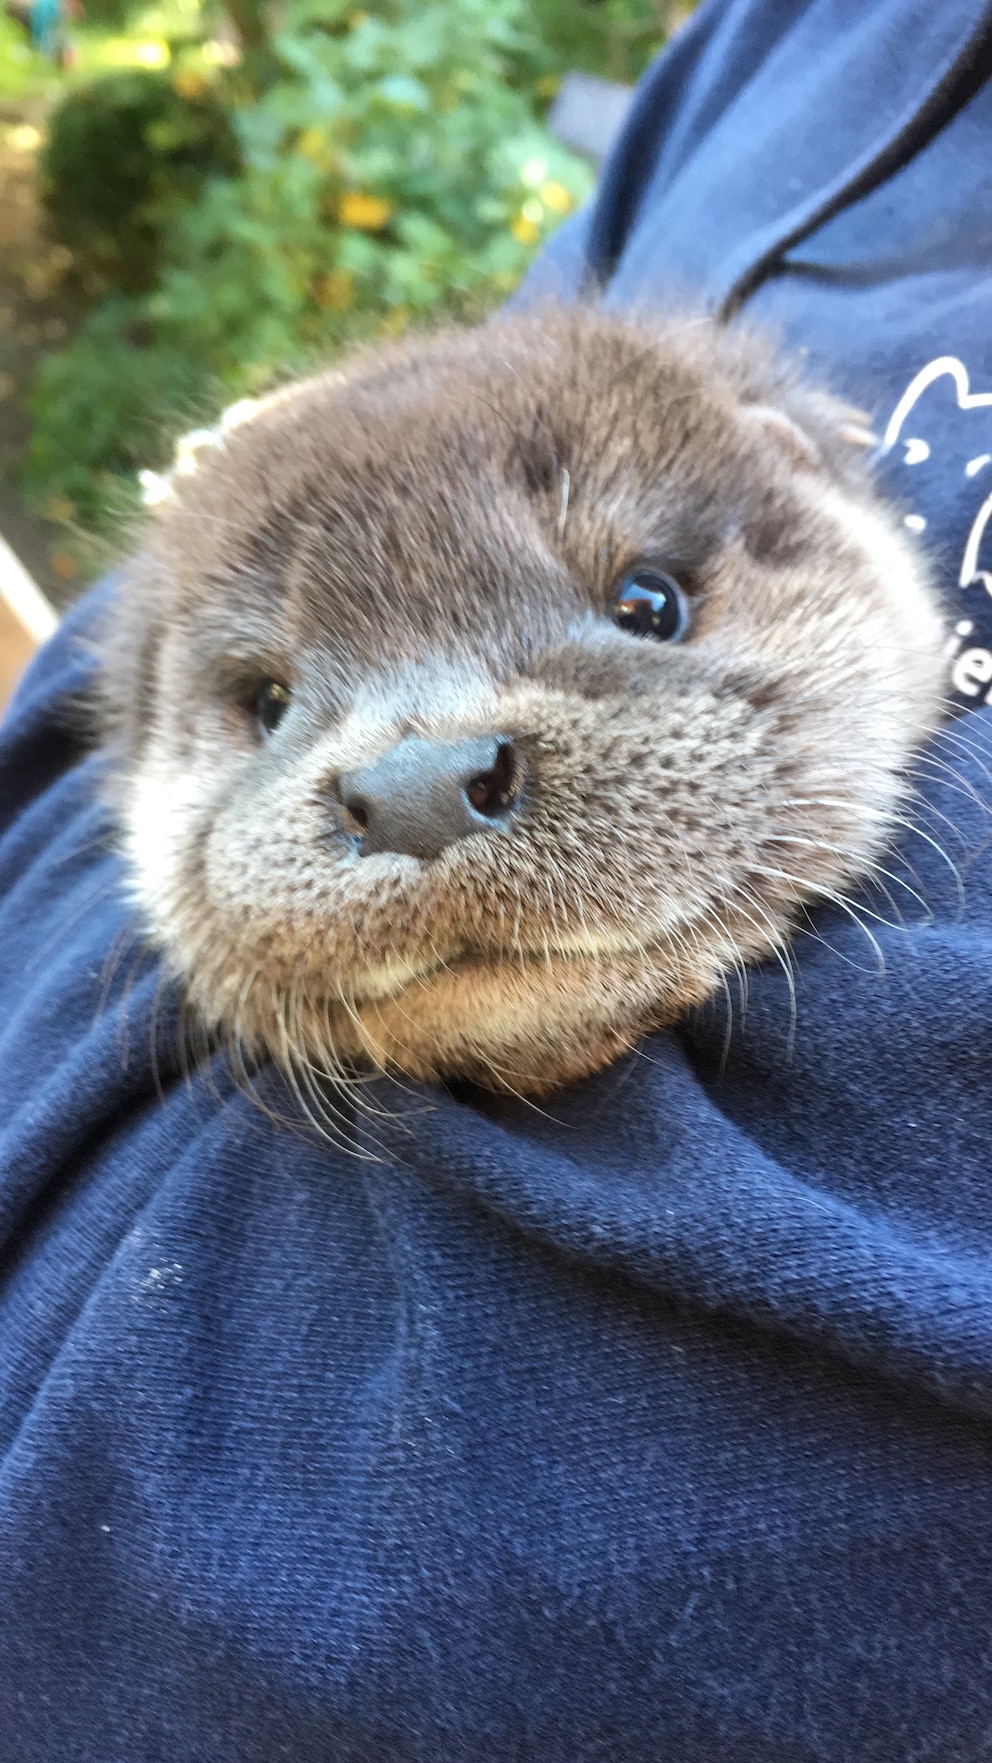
(848, 424)
(847, 421)
(793, 441)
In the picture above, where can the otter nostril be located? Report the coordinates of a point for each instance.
(492, 792)
(423, 796)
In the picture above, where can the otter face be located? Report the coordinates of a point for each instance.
(476, 709)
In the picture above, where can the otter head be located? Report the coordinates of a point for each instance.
(478, 707)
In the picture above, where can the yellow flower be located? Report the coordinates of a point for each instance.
(190, 83)
(548, 85)
(556, 197)
(524, 230)
(368, 213)
(314, 145)
(60, 508)
(335, 291)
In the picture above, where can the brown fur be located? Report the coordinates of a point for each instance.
(428, 543)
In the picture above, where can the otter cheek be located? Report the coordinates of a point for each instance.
(164, 802)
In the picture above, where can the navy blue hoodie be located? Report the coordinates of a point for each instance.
(652, 1426)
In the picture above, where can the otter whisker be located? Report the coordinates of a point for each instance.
(850, 909)
(870, 868)
(563, 507)
(779, 949)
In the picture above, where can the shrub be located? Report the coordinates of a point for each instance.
(393, 168)
(105, 408)
(123, 154)
(613, 38)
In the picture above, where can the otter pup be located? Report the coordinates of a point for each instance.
(476, 708)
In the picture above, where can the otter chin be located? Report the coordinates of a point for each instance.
(476, 707)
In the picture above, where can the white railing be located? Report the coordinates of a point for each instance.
(23, 598)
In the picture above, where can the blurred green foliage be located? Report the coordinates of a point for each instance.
(100, 406)
(612, 38)
(392, 167)
(123, 154)
(109, 14)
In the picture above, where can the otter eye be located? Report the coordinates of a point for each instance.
(649, 603)
(271, 703)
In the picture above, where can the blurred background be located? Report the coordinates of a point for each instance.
(200, 197)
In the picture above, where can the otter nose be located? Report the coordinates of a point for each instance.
(424, 795)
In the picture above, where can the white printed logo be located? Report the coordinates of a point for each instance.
(972, 668)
